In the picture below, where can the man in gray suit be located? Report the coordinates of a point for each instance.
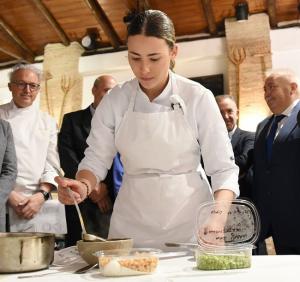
(8, 165)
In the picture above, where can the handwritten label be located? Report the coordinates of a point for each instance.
(227, 224)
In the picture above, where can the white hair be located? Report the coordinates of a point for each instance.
(220, 98)
(18, 67)
(289, 74)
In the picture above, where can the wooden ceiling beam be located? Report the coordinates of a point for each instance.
(209, 15)
(137, 5)
(52, 21)
(15, 52)
(11, 53)
(143, 5)
(271, 7)
(16, 38)
(130, 4)
(104, 23)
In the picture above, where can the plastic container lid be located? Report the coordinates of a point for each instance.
(227, 224)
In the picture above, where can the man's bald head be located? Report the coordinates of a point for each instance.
(101, 86)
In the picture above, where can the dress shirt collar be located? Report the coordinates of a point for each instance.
(289, 109)
(230, 133)
(92, 109)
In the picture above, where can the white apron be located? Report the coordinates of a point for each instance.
(161, 189)
(50, 219)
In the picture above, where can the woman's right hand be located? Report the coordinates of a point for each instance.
(79, 190)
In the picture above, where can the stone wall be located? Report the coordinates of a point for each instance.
(249, 56)
(62, 86)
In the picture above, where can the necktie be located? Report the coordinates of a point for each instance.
(272, 133)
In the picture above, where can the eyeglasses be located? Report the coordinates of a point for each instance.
(23, 85)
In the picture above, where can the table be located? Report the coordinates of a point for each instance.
(178, 268)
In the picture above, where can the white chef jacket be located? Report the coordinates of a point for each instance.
(203, 116)
(35, 138)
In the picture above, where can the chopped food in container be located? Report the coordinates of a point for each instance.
(137, 261)
(226, 232)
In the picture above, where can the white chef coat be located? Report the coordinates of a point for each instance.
(202, 114)
(35, 138)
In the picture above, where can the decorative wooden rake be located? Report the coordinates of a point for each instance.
(66, 84)
(48, 76)
(237, 55)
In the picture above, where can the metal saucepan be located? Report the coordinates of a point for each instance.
(22, 252)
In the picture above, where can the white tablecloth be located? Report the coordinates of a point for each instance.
(180, 268)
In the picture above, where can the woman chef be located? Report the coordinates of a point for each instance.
(160, 123)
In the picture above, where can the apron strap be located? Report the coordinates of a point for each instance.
(178, 102)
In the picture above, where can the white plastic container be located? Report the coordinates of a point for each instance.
(137, 261)
(226, 233)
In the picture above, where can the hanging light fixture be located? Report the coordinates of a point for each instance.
(241, 11)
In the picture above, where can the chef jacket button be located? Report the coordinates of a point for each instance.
(232, 158)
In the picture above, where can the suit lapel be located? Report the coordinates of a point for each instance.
(262, 130)
(289, 125)
(235, 137)
(86, 120)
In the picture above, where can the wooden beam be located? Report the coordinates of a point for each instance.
(11, 53)
(15, 37)
(104, 23)
(209, 15)
(271, 7)
(143, 5)
(137, 5)
(131, 5)
(50, 18)
(15, 52)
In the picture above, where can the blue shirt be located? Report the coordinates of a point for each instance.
(117, 174)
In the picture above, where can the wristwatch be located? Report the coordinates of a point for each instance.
(45, 194)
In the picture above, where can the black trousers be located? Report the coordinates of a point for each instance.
(260, 248)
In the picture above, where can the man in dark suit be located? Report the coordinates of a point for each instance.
(96, 210)
(242, 142)
(276, 189)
